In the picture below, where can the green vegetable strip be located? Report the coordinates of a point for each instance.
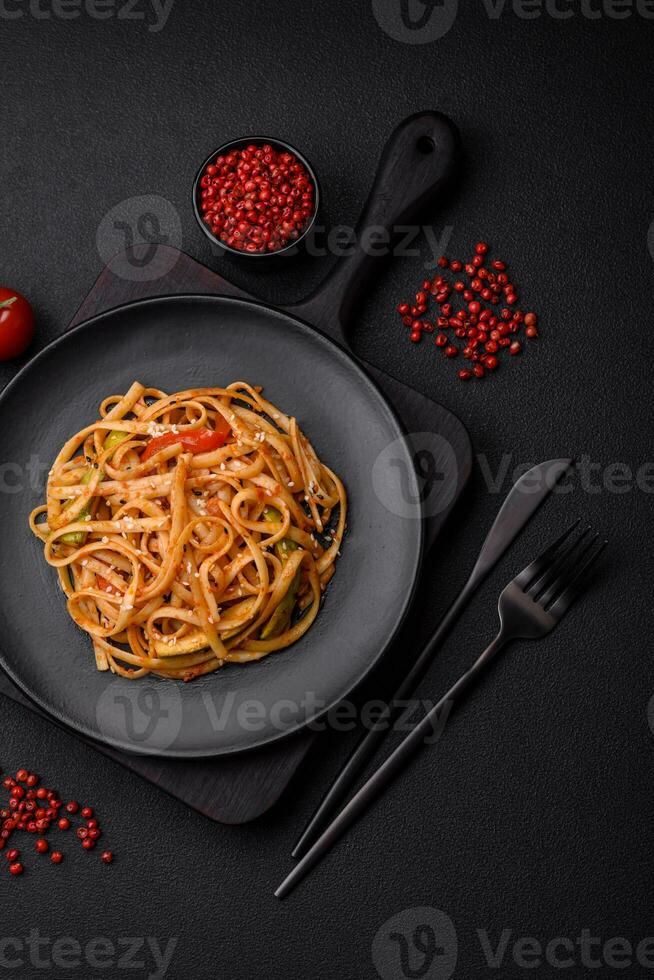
(281, 618)
(115, 438)
(77, 538)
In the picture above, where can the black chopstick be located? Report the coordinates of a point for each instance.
(378, 782)
(373, 738)
(515, 511)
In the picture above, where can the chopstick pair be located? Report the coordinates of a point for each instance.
(524, 498)
(530, 606)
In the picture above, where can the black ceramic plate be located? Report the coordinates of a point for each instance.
(177, 343)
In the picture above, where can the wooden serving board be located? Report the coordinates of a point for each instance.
(236, 789)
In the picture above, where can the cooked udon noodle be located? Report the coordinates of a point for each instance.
(191, 530)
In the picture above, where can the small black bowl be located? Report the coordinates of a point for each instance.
(293, 247)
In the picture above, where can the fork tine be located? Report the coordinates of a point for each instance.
(538, 566)
(563, 561)
(564, 569)
(574, 586)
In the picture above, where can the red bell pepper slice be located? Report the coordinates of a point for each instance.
(198, 441)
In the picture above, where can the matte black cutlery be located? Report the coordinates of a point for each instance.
(524, 498)
(529, 608)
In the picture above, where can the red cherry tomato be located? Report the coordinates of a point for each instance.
(16, 323)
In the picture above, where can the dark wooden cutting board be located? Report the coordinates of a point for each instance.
(236, 789)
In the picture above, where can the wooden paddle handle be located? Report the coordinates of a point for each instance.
(417, 162)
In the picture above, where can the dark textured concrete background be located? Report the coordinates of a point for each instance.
(534, 813)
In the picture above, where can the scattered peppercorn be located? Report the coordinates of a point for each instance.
(34, 811)
(486, 321)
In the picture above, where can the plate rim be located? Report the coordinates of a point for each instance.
(270, 739)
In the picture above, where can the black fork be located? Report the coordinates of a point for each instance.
(540, 596)
(529, 608)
